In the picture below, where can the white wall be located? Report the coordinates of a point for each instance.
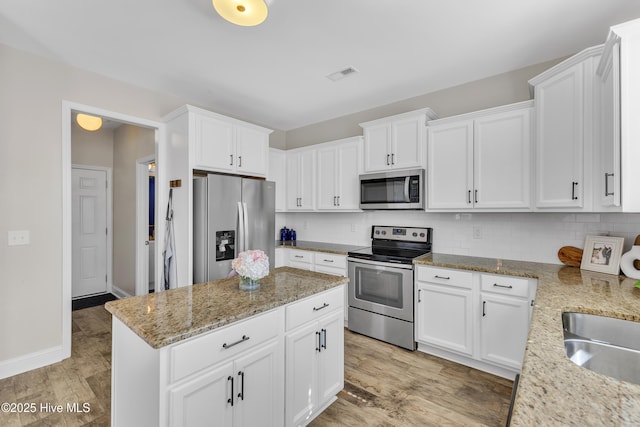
(517, 236)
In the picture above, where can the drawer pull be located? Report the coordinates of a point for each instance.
(241, 394)
(503, 286)
(327, 260)
(319, 346)
(323, 335)
(230, 400)
(325, 305)
(241, 340)
(299, 256)
(442, 277)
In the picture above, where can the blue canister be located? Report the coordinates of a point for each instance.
(292, 234)
(284, 234)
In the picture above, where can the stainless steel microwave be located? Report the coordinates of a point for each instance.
(392, 190)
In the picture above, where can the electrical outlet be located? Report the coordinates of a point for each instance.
(477, 233)
(18, 237)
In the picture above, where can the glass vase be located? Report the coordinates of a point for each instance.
(249, 284)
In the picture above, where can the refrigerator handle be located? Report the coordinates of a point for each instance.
(246, 226)
(240, 238)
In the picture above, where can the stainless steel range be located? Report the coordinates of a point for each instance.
(381, 283)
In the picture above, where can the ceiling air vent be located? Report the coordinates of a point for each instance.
(341, 74)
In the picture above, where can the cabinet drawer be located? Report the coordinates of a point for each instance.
(505, 285)
(314, 307)
(297, 256)
(445, 276)
(209, 349)
(330, 260)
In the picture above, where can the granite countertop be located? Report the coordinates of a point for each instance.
(552, 389)
(165, 318)
(333, 248)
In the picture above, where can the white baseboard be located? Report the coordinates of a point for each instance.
(38, 359)
(119, 292)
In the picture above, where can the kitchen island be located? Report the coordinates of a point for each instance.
(213, 352)
(552, 389)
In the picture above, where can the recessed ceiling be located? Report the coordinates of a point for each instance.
(275, 74)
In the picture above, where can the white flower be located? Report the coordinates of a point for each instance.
(253, 264)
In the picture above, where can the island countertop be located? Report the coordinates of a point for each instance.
(168, 317)
(553, 390)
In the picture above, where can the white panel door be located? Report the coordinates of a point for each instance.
(214, 145)
(377, 150)
(302, 347)
(348, 173)
(327, 175)
(407, 142)
(89, 225)
(252, 151)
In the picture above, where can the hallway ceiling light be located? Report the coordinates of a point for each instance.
(246, 13)
(87, 122)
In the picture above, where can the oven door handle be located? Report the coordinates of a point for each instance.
(380, 263)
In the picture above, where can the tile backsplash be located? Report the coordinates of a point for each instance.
(518, 236)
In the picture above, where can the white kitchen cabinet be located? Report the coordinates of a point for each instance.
(300, 259)
(301, 177)
(314, 356)
(564, 105)
(225, 145)
(396, 142)
(479, 320)
(607, 179)
(278, 174)
(504, 326)
(444, 309)
(337, 174)
(236, 393)
(480, 160)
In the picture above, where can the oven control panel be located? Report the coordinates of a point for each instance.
(405, 234)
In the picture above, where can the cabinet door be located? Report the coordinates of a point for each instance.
(607, 181)
(293, 181)
(214, 144)
(502, 160)
(407, 148)
(302, 347)
(327, 175)
(307, 178)
(331, 357)
(277, 174)
(259, 390)
(504, 329)
(205, 400)
(377, 150)
(450, 160)
(252, 149)
(444, 317)
(348, 181)
(560, 137)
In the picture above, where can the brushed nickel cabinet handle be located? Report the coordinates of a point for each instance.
(241, 340)
(503, 286)
(606, 184)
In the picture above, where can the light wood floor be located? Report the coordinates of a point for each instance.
(384, 386)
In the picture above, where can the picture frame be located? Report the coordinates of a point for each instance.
(602, 254)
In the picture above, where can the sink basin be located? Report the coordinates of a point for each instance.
(603, 344)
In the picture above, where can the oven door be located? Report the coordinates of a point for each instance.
(381, 288)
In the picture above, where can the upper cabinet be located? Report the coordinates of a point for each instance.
(221, 144)
(619, 72)
(278, 174)
(396, 142)
(301, 179)
(480, 160)
(337, 174)
(565, 109)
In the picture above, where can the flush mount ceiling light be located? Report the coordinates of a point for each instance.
(246, 13)
(88, 122)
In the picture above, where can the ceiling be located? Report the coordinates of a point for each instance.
(275, 74)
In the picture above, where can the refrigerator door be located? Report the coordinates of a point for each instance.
(259, 199)
(223, 194)
(200, 209)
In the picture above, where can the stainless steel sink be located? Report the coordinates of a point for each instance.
(603, 344)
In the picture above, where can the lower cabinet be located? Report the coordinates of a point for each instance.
(480, 320)
(242, 392)
(314, 357)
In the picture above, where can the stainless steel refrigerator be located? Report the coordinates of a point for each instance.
(230, 215)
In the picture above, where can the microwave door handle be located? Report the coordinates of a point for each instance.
(406, 189)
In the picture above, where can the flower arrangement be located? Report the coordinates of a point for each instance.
(252, 265)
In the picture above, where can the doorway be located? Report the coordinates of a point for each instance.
(146, 219)
(155, 133)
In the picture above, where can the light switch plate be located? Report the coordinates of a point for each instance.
(18, 237)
